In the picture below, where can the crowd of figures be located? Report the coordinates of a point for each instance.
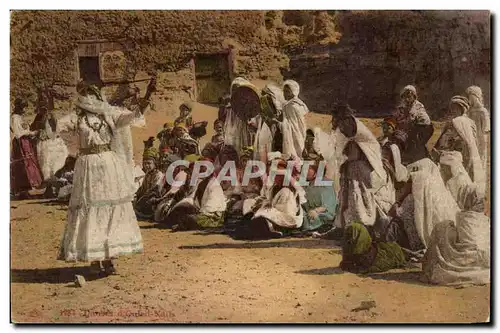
(392, 201)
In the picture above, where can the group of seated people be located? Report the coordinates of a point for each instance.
(393, 200)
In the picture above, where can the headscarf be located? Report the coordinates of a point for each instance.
(389, 121)
(276, 95)
(273, 155)
(357, 239)
(191, 158)
(465, 128)
(91, 100)
(239, 81)
(408, 88)
(461, 101)
(295, 89)
(247, 152)
(342, 110)
(19, 104)
(150, 153)
(83, 88)
(210, 150)
(475, 91)
(188, 106)
(181, 125)
(369, 145)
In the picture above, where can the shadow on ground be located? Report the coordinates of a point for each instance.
(51, 275)
(413, 277)
(321, 271)
(307, 243)
(48, 202)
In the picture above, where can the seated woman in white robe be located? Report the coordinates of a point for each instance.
(459, 248)
(281, 209)
(454, 174)
(208, 206)
(366, 192)
(423, 202)
(294, 124)
(460, 135)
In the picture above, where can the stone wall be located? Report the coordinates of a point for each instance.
(441, 53)
(364, 57)
(45, 44)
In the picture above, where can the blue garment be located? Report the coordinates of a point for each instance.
(319, 196)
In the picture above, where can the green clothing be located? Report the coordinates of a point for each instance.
(361, 255)
(213, 220)
(319, 196)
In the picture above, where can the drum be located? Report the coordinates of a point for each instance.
(245, 101)
(198, 130)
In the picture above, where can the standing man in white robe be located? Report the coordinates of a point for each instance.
(236, 129)
(294, 124)
(481, 117)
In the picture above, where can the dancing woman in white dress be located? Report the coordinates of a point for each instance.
(101, 222)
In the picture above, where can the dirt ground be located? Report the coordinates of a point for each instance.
(203, 277)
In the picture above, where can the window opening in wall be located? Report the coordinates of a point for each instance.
(89, 69)
(212, 77)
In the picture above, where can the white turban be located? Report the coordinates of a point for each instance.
(239, 81)
(460, 100)
(276, 94)
(274, 155)
(475, 91)
(409, 88)
(294, 87)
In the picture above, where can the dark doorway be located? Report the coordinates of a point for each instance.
(212, 77)
(89, 69)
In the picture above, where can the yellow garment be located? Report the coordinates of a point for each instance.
(150, 153)
(192, 158)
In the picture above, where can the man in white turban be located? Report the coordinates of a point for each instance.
(413, 110)
(236, 128)
(461, 135)
(294, 123)
(481, 117)
(414, 120)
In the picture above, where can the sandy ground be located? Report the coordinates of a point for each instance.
(198, 277)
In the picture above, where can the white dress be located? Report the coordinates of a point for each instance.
(52, 153)
(101, 221)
